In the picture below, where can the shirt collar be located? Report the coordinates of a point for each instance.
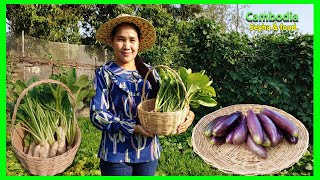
(119, 71)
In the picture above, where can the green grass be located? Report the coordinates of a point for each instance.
(177, 157)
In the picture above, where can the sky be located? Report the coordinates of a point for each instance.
(304, 11)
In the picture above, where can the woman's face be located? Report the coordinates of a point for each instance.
(125, 46)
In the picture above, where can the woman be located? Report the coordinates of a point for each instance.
(126, 147)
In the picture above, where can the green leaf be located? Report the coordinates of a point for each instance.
(197, 79)
(10, 106)
(291, 75)
(54, 76)
(208, 102)
(72, 75)
(83, 81)
(91, 93)
(80, 105)
(194, 104)
(74, 88)
(95, 172)
(32, 80)
(183, 73)
(210, 90)
(307, 153)
(309, 167)
(81, 95)
(162, 75)
(20, 86)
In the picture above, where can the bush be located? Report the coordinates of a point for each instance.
(274, 69)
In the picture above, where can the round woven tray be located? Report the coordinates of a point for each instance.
(237, 159)
(37, 165)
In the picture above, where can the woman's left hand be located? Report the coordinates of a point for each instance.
(188, 121)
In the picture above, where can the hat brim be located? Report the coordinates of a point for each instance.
(148, 33)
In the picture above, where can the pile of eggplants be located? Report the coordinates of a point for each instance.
(256, 130)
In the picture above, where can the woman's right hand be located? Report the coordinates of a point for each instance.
(140, 130)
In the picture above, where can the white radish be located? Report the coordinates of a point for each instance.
(53, 149)
(36, 152)
(44, 150)
(61, 147)
(47, 148)
(61, 136)
(31, 149)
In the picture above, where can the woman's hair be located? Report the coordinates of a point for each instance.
(115, 29)
(141, 67)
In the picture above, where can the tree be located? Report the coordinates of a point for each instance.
(58, 23)
(237, 22)
(188, 11)
(183, 11)
(166, 48)
(95, 15)
(228, 16)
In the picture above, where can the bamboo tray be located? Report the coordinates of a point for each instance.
(237, 159)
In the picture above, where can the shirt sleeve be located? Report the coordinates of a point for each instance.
(156, 76)
(100, 114)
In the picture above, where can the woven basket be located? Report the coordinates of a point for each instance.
(160, 123)
(37, 165)
(238, 159)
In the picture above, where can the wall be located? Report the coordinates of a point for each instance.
(30, 56)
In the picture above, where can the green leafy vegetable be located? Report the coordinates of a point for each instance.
(171, 96)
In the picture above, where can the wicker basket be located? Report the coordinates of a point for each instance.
(37, 165)
(237, 159)
(160, 123)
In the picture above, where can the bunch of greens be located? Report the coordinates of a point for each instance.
(171, 95)
(80, 86)
(199, 89)
(48, 117)
(47, 114)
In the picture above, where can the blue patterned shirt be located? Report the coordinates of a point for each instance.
(113, 110)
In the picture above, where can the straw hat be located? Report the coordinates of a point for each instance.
(148, 33)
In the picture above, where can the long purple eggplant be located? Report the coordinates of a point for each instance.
(254, 127)
(266, 140)
(241, 132)
(217, 140)
(269, 128)
(226, 125)
(282, 122)
(229, 137)
(280, 136)
(256, 148)
(209, 127)
(291, 139)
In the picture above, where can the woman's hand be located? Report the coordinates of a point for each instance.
(140, 130)
(188, 121)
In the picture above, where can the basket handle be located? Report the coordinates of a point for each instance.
(50, 81)
(177, 76)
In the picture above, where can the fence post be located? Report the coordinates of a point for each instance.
(24, 65)
(22, 43)
(68, 47)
